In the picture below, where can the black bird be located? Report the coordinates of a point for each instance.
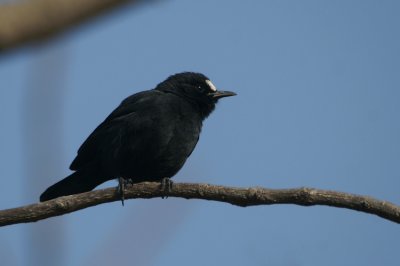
(148, 137)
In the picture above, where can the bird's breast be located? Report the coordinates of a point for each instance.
(167, 140)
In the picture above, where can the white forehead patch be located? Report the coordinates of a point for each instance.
(211, 85)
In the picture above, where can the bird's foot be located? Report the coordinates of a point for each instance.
(129, 181)
(121, 188)
(166, 186)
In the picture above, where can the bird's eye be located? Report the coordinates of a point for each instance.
(211, 85)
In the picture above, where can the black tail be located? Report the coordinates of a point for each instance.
(76, 183)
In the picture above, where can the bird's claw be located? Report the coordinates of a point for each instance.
(121, 188)
(166, 187)
(122, 184)
(129, 181)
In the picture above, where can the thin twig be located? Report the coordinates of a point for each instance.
(237, 196)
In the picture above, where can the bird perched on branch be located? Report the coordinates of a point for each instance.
(148, 137)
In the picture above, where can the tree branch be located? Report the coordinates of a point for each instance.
(27, 21)
(237, 196)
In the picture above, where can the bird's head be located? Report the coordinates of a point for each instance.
(195, 88)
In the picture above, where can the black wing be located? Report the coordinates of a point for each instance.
(105, 136)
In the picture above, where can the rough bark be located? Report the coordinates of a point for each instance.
(237, 196)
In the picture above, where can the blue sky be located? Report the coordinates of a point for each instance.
(318, 91)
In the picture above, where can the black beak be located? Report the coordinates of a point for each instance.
(221, 94)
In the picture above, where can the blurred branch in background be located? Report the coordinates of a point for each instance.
(43, 147)
(22, 22)
(237, 196)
